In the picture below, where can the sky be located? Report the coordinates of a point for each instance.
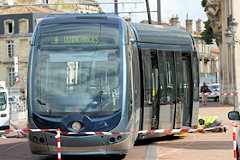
(169, 8)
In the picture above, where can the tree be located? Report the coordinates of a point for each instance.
(207, 34)
(204, 2)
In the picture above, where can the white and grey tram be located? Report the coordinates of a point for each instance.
(98, 73)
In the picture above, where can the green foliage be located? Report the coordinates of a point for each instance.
(207, 34)
(204, 2)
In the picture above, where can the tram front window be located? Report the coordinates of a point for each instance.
(77, 69)
(2, 101)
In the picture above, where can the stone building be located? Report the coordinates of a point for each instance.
(16, 28)
(224, 16)
(66, 6)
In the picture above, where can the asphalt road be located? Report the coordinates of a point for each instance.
(194, 146)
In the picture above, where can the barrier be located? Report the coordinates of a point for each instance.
(58, 136)
(158, 131)
(29, 130)
(220, 94)
(59, 143)
(234, 141)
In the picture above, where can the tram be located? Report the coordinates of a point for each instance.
(4, 107)
(98, 73)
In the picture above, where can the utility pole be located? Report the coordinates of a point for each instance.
(116, 7)
(148, 12)
(159, 11)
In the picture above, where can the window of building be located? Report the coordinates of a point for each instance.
(10, 48)
(23, 26)
(11, 80)
(9, 27)
(45, 1)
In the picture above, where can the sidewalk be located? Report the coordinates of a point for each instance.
(199, 146)
(20, 124)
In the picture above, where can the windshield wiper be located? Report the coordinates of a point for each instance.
(90, 105)
(44, 104)
(40, 102)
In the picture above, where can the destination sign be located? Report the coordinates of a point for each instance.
(84, 39)
(77, 35)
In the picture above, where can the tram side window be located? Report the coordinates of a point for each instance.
(170, 69)
(179, 74)
(136, 71)
(130, 75)
(155, 70)
(147, 73)
(195, 75)
(167, 72)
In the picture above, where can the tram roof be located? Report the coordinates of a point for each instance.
(157, 34)
(71, 18)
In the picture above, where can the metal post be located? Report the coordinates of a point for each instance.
(234, 25)
(159, 11)
(116, 7)
(235, 78)
(148, 12)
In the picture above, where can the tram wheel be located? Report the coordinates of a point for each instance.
(117, 156)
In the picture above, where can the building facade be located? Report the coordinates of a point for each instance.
(224, 16)
(16, 28)
(66, 6)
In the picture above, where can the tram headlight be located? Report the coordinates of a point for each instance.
(76, 126)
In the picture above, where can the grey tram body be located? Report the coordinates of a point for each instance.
(139, 107)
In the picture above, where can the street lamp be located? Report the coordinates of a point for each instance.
(229, 36)
(234, 25)
(232, 39)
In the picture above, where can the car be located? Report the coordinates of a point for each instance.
(234, 115)
(215, 86)
(11, 99)
(213, 89)
(12, 102)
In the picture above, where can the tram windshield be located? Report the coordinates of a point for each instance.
(2, 101)
(77, 69)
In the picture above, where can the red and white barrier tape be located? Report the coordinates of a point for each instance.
(234, 141)
(174, 131)
(158, 131)
(220, 94)
(28, 130)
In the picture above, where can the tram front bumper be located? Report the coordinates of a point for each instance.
(81, 145)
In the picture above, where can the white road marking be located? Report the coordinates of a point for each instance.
(9, 148)
(151, 152)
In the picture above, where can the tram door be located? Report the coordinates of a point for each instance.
(187, 88)
(151, 87)
(167, 90)
(147, 89)
(179, 90)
